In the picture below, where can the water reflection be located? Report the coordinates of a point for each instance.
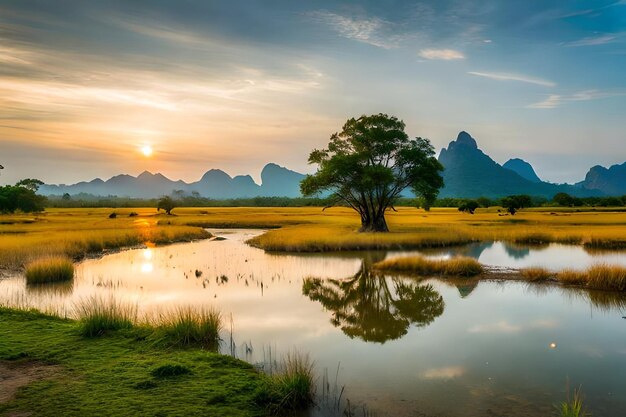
(373, 307)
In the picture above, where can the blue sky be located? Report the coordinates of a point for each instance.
(84, 85)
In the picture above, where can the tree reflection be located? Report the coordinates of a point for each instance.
(373, 307)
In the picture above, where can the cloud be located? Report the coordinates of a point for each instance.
(444, 54)
(366, 30)
(592, 41)
(504, 326)
(513, 77)
(555, 100)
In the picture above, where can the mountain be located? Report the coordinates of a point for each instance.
(470, 173)
(611, 181)
(522, 168)
(280, 181)
(276, 181)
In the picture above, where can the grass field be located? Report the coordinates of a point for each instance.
(79, 232)
(50, 369)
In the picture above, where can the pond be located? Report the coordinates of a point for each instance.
(400, 346)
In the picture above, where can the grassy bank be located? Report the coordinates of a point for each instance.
(125, 373)
(76, 233)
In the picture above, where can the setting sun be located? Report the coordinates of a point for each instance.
(146, 150)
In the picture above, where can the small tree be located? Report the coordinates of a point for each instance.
(369, 164)
(515, 202)
(167, 204)
(468, 206)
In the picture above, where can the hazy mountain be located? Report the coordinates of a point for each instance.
(276, 181)
(611, 181)
(280, 181)
(470, 173)
(522, 168)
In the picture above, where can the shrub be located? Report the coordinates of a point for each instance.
(48, 270)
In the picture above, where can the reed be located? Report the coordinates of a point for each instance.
(459, 266)
(290, 390)
(536, 274)
(188, 326)
(49, 270)
(600, 277)
(574, 406)
(98, 315)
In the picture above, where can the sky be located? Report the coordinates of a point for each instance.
(86, 85)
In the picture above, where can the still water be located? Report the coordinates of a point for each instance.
(399, 346)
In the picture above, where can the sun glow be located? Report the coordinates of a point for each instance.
(146, 150)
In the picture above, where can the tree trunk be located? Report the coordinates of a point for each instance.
(373, 223)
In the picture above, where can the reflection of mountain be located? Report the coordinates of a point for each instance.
(373, 307)
(466, 289)
(515, 251)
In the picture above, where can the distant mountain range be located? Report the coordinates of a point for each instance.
(469, 173)
(276, 181)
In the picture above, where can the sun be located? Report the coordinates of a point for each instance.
(146, 150)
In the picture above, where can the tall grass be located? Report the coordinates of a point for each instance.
(188, 326)
(536, 274)
(98, 315)
(601, 277)
(574, 406)
(459, 266)
(290, 390)
(48, 270)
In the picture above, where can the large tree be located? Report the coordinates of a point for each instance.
(369, 164)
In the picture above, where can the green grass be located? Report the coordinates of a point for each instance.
(48, 270)
(459, 266)
(291, 389)
(98, 315)
(189, 326)
(122, 374)
(574, 406)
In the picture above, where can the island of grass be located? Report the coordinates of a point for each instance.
(53, 370)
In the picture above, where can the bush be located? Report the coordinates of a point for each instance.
(49, 270)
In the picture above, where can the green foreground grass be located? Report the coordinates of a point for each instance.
(123, 373)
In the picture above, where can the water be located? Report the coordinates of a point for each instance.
(403, 347)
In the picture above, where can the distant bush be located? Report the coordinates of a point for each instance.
(22, 196)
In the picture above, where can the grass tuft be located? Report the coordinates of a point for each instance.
(459, 266)
(536, 274)
(169, 371)
(601, 277)
(98, 315)
(574, 406)
(189, 326)
(47, 270)
(290, 390)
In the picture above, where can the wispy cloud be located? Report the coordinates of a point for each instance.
(514, 77)
(555, 100)
(444, 54)
(370, 30)
(592, 41)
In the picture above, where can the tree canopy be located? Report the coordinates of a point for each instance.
(369, 164)
(21, 196)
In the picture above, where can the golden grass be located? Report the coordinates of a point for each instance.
(460, 266)
(601, 277)
(536, 274)
(48, 270)
(75, 233)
